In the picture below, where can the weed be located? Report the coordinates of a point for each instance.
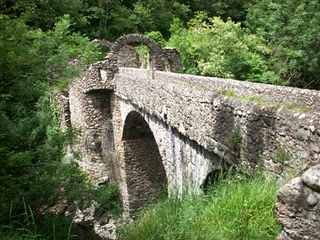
(234, 208)
(109, 125)
(107, 196)
(235, 140)
(46, 226)
(282, 155)
(290, 106)
(227, 92)
(302, 108)
(94, 134)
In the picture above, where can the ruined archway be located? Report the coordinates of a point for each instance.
(159, 57)
(145, 174)
(156, 52)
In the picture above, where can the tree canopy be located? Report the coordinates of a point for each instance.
(292, 29)
(33, 175)
(210, 46)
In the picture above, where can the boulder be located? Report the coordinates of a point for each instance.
(298, 208)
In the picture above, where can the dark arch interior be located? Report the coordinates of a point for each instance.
(215, 176)
(136, 127)
(145, 174)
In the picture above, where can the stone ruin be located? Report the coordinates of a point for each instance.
(92, 103)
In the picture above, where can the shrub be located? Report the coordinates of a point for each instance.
(212, 47)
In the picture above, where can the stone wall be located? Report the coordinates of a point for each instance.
(282, 140)
(158, 57)
(101, 74)
(62, 98)
(145, 175)
(298, 207)
(90, 115)
(269, 94)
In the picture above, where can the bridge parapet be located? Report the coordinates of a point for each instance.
(272, 95)
(98, 76)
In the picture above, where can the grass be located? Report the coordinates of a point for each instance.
(282, 155)
(234, 140)
(26, 227)
(259, 100)
(235, 208)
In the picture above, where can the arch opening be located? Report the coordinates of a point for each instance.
(157, 56)
(145, 175)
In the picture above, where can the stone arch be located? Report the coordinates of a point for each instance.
(145, 176)
(158, 56)
(156, 52)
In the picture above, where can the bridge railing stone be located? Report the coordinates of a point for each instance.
(272, 93)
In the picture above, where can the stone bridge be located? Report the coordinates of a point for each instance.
(152, 129)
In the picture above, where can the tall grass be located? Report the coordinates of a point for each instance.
(26, 226)
(235, 208)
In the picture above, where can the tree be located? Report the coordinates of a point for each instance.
(212, 47)
(158, 14)
(33, 176)
(292, 29)
(234, 9)
(43, 13)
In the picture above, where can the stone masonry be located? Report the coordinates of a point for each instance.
(282, 140)
(298, 207)
(151, 129)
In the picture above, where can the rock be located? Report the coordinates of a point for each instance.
(312, 200)
(312, 129)
(273, 167)
(302, 134)
(298, 207)
(311, 178)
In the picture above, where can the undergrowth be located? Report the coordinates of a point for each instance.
(237, 207)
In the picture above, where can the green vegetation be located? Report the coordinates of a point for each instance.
(33, 177)
(259, 100)
(212, 47)
(253, 99)
(276, 44)
(291, 27)
(282, 155)
(235, 140)
(237, 207)
(300, 107)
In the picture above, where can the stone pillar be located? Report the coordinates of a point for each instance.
(173, 58)
(90, 111)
